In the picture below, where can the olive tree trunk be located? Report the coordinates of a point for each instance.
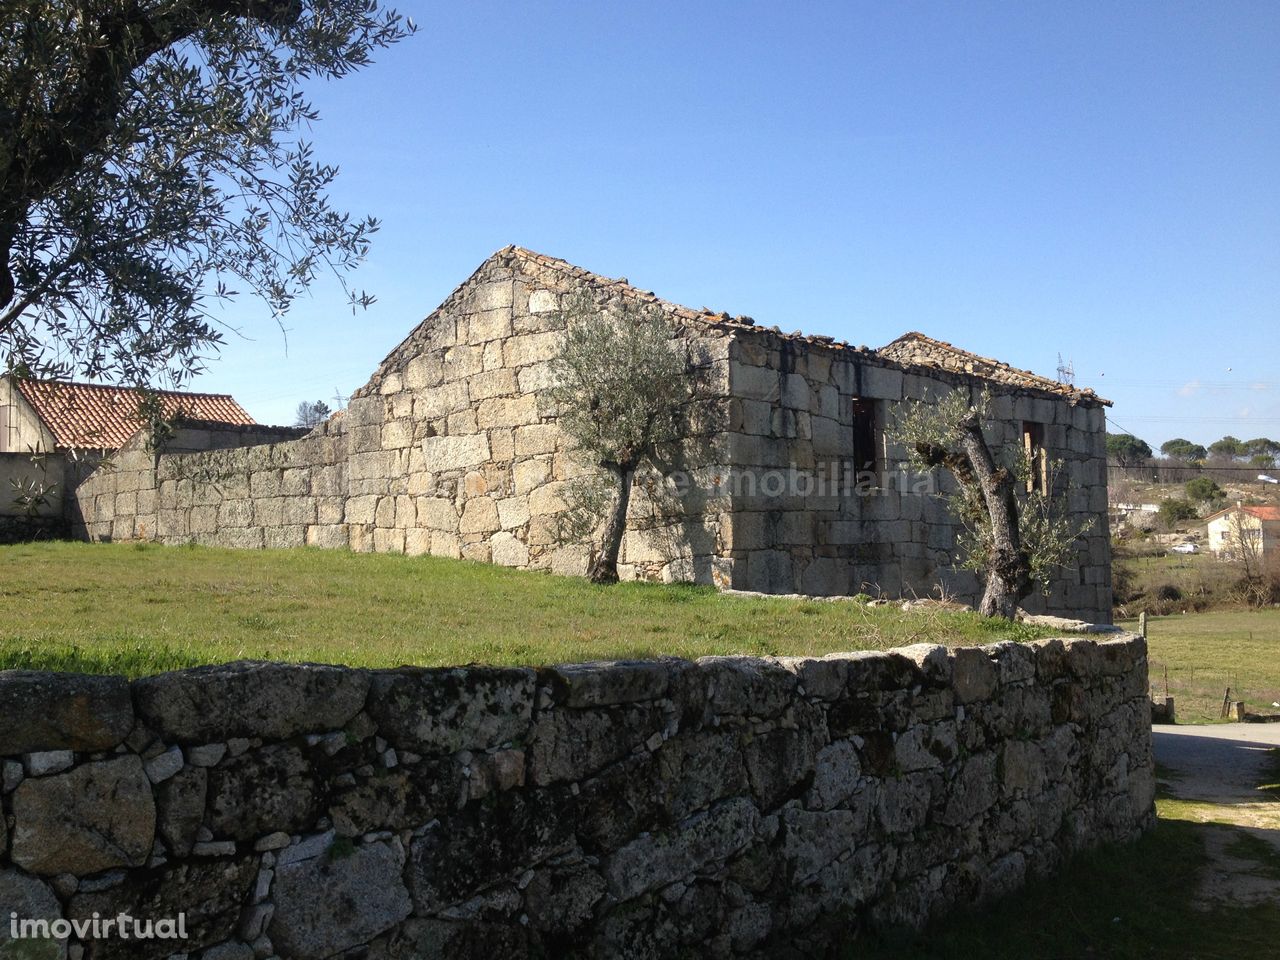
(604, 569)
(1009, 570)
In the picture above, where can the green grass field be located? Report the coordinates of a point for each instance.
(1206, 653)
(138, 609)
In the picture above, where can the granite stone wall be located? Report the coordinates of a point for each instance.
(728, 807)
(836, 528)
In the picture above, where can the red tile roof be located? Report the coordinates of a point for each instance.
(1265, 513)
(100, 416)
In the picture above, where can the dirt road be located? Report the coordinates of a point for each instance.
(1215, 773)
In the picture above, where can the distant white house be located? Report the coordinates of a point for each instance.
(1256, 529)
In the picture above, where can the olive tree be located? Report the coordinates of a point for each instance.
(1014, 532)
(624, 384)
(152, 166)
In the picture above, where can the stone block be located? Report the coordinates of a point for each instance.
(29, 899)
(536, 377)
(327, 904)
(507, 551)
(262, 791)
(507, 412)
(331, 536)
(479, 515)
(694, 845)
(569, 745)
(63, 711)
(494, 383)
(530, 348)
(180, 809)
(489, 325)
(455, 453)
(543, 301)
(462, 361)
(447, 710)
(441, 401)
(209, 893)
(536, 438)
(249, 699)
(881, 383)
(608, 682)
(754, 383)
(94, 817)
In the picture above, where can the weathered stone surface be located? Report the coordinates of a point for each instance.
(181, 809)
(445, 710)
(262, 791)
(62, 711)
(780, 763)
(164, 765)
(210, 893)
(473, 848)
(836, 775)
(656, 860)
(608, 682)
(30, 899)
(565, 744)
(730, 807)
(455, 453)
(562, 899)
(975, 676)
(250, 698)
(327, 904)
(747, 685)
(94, 817)
(45, 762)
(400, 798)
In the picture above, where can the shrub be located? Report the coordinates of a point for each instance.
(1204, 489)
(1167, 591)
(1175, 510)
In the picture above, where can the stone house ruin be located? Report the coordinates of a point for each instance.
(452, 449)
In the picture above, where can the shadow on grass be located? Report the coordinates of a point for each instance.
(1120, 903)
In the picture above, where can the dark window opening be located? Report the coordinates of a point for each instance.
(866, 440)
(1037, 460)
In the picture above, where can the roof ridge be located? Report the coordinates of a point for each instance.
(1039, 381)
(85, 385)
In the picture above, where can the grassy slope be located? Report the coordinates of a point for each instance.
(140, 609)
(1207, 652)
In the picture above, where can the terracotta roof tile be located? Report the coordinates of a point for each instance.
(1263, 513)
(100, 416)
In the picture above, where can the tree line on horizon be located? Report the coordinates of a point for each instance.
(1130, 451)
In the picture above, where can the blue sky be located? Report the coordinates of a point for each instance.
(1100, 180)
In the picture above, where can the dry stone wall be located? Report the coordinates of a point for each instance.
(728, 807)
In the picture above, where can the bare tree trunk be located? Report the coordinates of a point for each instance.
(1009, 573)
(605, 567)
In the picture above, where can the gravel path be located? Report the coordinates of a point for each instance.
(1218, 768)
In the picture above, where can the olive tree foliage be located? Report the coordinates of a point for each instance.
(1014, 536)
(624, 389)
(152, 168)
